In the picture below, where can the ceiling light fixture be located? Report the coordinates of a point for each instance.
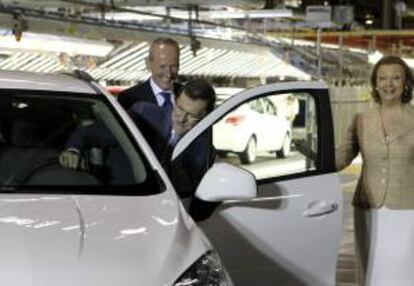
(203, 15)
(369, 21)
(56, 44)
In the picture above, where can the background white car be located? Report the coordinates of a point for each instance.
(253, 127)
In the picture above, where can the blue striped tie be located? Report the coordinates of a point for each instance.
(167, 107)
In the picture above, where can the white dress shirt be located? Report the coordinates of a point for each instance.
(158, 90)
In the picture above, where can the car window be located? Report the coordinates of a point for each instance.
(269, 107)
(38, 128)
(256, 105)
(270, 146)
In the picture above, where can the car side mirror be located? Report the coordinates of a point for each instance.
(224, 182)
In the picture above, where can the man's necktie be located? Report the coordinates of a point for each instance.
(174, 137)
(167, 105)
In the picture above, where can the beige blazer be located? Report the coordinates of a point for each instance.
(387, 177)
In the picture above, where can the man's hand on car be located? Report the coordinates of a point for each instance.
(72, 160)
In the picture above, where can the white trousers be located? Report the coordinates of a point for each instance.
(389, 235)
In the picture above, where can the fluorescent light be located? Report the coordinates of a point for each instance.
(275, 13)
(203, 15)
(369, 21)
(49, 43)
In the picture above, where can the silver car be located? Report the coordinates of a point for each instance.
(277, 223)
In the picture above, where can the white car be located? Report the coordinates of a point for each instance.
(65, 227)
(253, 127)
(94, 226)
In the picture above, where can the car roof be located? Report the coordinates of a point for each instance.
(42, 81)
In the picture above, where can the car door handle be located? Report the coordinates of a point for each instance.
(320, 208)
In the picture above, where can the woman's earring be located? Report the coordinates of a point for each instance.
(405, 94)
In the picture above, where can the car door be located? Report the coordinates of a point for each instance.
(289, 234)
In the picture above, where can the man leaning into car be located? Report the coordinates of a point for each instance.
(193, 103)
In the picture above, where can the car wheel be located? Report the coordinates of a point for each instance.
(222, 154)
(285, 150)
(248, 156)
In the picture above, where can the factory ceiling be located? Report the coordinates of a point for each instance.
(355, 27)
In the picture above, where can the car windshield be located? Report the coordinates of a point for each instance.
(68, 143)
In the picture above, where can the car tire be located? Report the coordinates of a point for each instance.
(285, 150)
(222, 154)
(248, 156)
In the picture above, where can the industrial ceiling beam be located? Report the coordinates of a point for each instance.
(312, 33)
(92, 28)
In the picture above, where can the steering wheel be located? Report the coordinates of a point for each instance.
(24, 174)
(48, 171)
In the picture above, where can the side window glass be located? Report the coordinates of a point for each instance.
(271, 144)
(269, 107)
(255, 105)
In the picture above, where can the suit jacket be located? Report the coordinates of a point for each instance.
(188, 169)
(140, 92)
(154, 125)
(387, 177)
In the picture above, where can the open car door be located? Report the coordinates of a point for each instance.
(289, 234)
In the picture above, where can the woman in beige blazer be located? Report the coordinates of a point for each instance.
(384, 198)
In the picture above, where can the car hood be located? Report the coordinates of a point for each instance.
(95, 240)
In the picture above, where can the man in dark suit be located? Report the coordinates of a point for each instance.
(192, 104)
(161, 88)
(161, 130)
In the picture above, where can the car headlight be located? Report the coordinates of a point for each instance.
(207, 271)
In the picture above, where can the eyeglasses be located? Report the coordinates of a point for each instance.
(191, 117)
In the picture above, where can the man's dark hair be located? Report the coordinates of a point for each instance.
(391, 60)
(200, 89)
(163, 41)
